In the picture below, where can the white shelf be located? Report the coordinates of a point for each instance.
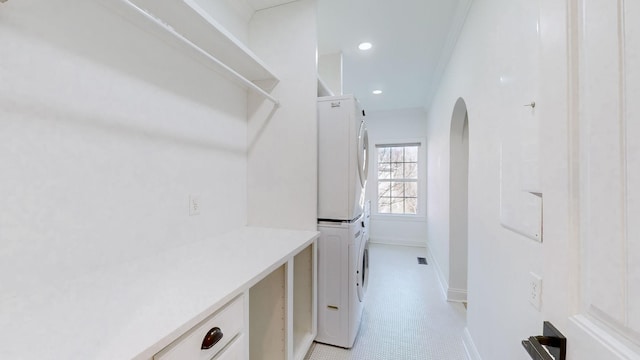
(185, 24)
(304, 301)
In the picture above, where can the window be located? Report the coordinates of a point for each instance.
(398, 178)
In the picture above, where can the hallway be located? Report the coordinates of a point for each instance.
(406, 316)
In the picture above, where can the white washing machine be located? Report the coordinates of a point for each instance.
(343, 261)
(342, 158)
(342, 255)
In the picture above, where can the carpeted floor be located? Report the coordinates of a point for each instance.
(406, 316)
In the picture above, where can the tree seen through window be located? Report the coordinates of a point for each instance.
(398, 179)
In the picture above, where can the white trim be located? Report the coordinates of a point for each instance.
(457, 295)
(422, 177)
(398, 217)
(401, 144)
(395, 241)
(469, 346)
(442, 280)
(608, 341)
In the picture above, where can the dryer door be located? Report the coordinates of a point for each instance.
(363, 269)
(363, 154)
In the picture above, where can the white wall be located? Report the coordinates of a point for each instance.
(233, 15)
(282, 178)
(104, 134)
(393, 126)
(330, 71)
(491, 69)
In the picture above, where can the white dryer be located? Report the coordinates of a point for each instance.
(342, 256)
(342, 280)
(342, 158)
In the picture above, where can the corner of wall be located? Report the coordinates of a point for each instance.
(282, 154)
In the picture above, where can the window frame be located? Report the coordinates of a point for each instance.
(421, 179)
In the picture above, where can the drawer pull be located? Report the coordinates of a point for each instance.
(213, 336)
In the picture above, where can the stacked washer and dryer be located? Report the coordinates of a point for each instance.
(343, 256)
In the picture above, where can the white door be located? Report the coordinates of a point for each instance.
(603, 320)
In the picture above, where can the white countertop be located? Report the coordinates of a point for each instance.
(135, 309)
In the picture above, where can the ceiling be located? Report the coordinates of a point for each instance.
(412, 41)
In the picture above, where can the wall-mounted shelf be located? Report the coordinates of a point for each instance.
(183, 23)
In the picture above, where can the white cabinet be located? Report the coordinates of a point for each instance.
(283, 310)
(235, 351)
(209, 337)
(274, 315)
(304, 301)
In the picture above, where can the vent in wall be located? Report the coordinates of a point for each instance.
(422, 261)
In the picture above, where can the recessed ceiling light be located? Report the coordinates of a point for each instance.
(377, 92)
(365, 46)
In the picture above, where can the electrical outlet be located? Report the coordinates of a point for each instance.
(535, 290)
(194, 205)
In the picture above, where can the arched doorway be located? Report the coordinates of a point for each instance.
(458, 202)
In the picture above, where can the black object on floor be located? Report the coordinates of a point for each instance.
(422, 261)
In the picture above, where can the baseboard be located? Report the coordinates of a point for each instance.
(400, 242)
(469, 346)
(457, 295)
(442, 280)
(304, 348)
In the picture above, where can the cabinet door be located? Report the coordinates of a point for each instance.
(235, 351)
(219, 330)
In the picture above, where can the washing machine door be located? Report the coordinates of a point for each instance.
(363, 154)
(363, 269)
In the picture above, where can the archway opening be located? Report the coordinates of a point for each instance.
(458, 203)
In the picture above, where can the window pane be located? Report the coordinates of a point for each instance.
(384, 206)
(384, 171)
(411, 189)
(411, 154)
(384, 189)
(384, 155)
(411, 206)
(410, 170)
(397, 189)
(397, 154)
(397, 206)
(398, 180)
(397, 171)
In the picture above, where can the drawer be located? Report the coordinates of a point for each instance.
(230, 320)
(235, 351)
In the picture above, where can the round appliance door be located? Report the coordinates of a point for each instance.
(363, 154)
(363, 270)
